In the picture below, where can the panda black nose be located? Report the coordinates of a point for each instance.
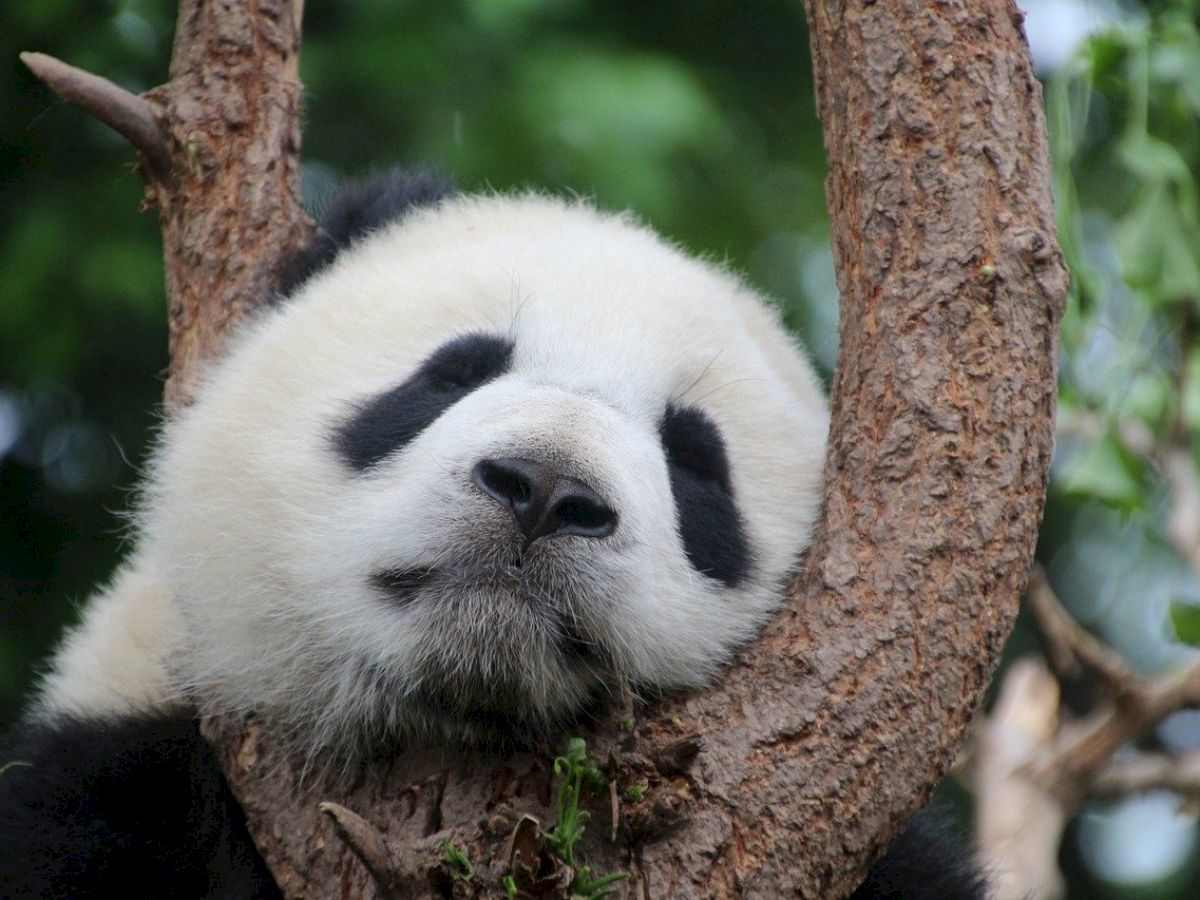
(544, 502)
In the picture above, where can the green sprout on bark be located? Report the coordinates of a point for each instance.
(577, 773)
(457, 861)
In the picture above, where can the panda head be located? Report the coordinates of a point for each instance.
(497, 459)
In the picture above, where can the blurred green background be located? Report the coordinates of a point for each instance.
(698, 114)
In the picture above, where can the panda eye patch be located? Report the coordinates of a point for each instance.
(467, 362)
(707, 516)
(386, 423)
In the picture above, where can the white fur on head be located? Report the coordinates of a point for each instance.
(268, 541)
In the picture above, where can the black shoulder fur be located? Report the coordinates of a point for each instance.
(359, 208)
(135, 807)
(927, 862)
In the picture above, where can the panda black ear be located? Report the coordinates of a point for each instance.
(358, 209)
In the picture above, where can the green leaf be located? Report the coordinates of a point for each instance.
(1152, 160)
(1159, 247)
(1185, 619)
(1106, 471)
(1149, 398)
(458, 862)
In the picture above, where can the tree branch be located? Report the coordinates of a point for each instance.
(1033, 766)
(1149, 772)
(835, 725)
(1071, 647)
(129, 115)
(1084, 748)
(368, 845)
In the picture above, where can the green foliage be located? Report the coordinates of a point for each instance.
(1124, 120)
(457, 861)
(590, 888)
(1106, 471)
(576, 772)
(1125, 138)
(1185, 619)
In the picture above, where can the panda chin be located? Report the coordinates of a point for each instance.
(490, 723)
(503, 651)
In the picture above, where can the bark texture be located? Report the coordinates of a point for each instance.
(795, 771)
(230, 204)
(818, 746)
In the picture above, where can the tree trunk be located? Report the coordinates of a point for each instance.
(793, 773)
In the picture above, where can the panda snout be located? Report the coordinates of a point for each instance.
(544, 502)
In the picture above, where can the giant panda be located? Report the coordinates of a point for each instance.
(485, 460)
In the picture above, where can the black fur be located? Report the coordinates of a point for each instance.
(388, 422)
(360, 208)
(927, 862)
(130, 808)
(708, 517)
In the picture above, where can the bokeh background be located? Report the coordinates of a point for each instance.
(699, 115)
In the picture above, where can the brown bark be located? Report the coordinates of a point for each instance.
(231, 211)
(833, 727)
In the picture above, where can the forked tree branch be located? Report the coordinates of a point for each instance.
(835, 725)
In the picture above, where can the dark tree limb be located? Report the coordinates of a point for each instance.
(834, 726)
(221, 143)
(127, 114)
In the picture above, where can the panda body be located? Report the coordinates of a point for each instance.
(493, 460)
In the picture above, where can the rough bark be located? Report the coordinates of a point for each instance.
(830, 731)
(232, 209)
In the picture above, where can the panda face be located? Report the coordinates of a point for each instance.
(497, 460)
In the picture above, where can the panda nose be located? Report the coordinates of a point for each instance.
(545, 502)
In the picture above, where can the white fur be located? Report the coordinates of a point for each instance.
(263, 540)
(115, 660)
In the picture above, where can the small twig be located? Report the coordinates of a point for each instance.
(128, 114)
(368, 845)
(1070, 645)
(1149, 772)
(1085, 748)
(1033, 766)
(614, 803)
